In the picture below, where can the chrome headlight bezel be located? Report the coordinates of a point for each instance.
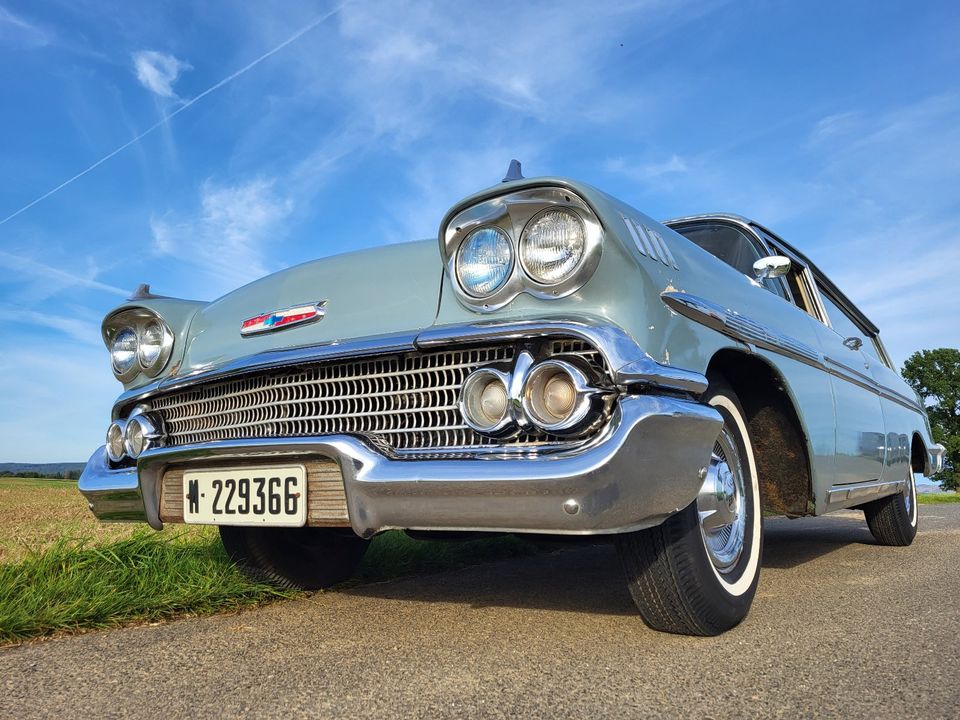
(458, 260)
(132, 368)
(138, 320)
(154, 367)
(511, 214)
(524, 250)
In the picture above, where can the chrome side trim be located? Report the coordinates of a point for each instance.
(841, 496)
(644, 466)
(740, 327)
(847, 373)
(628, 363)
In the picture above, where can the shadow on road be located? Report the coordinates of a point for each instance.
(789, 543)
(589, 578)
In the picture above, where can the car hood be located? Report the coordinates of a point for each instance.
(370, 292)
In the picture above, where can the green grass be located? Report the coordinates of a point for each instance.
(925, 499)
(75, 584)
(72, 584)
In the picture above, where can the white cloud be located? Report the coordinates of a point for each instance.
(158, 71)
(226, 238)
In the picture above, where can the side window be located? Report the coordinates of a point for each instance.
(732, 246)
(796, 279)
(844, 325)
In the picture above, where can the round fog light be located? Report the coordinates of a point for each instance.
(484, 401)
(557, 396)
(137, 435)
(115, 441)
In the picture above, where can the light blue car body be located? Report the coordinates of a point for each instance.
(861, 428)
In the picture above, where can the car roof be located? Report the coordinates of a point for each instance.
(822, 278)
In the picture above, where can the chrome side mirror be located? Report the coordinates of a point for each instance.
(773, 266)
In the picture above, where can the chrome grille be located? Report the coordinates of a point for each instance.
(400, 401)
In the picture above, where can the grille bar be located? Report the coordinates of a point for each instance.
(402, 401)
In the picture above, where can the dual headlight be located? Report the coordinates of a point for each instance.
(139, 342)
(131, 437)
(554, 396)
(552, 248)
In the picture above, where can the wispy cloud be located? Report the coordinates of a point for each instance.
(56, 279)
(833, 126)
(227, 237)
(646, 171)
(158, 71)
(21, 29)
(184, 106)
(78, 326)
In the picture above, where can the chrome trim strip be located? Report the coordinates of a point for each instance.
(628, 363)
(640, 469)
(272, 359)
(740, 327)
(650, 242)
(845, 372)
(840, 496)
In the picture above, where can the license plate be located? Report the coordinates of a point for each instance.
(272, 495)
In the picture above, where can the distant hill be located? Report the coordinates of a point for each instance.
(50, 469)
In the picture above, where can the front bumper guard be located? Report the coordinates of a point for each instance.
(643, 467)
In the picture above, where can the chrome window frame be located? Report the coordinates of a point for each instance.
(744, 226)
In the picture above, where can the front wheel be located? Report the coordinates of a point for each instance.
(303, 558)
(697, 572)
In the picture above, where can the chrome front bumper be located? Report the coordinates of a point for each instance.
(642, 468)
(936, 454)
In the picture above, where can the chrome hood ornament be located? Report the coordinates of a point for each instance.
(281, 319)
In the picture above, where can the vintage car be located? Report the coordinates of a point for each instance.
(556, 363)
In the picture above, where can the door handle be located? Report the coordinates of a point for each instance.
(853, 343)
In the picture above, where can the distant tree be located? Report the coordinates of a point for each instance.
(935, 375)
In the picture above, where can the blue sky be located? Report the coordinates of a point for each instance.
(835, 123)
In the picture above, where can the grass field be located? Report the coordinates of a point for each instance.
(62, 570)
(931, 499)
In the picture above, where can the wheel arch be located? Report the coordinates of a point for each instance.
(919, 457)
(778, 436)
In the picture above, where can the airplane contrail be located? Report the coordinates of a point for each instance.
(293, 38)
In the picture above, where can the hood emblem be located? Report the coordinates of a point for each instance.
(280, 319)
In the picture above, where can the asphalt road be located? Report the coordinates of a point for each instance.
(840, 627)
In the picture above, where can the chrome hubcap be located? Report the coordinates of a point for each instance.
(910, 496)
(720, 505)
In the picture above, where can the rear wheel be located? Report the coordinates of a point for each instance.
(893, 519)
(305, 558)
(697, 573)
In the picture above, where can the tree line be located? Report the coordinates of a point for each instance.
(67, 475)
(935, 375)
